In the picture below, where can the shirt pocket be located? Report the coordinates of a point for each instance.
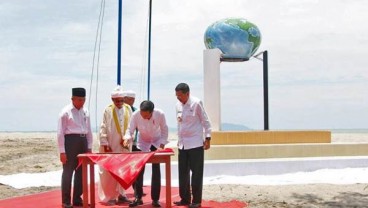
(189, 118)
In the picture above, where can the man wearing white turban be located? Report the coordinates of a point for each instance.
(114, 123)
(129, 98)
(129, 94)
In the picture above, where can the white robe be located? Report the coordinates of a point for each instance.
(108, 187)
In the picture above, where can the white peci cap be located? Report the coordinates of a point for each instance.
(129, 93)
(117, 92)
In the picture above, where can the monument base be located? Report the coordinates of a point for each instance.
(262, 151)
(270, 137)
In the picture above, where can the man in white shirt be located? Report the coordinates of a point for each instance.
(153, 135)
(114, 123)
(74, 137)
(194, 133)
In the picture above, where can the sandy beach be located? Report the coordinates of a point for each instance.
(37, 153)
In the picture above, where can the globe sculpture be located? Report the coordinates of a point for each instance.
(237, 38)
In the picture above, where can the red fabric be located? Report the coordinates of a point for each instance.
(165, 150)
(232, 204)
(123, 167)
(52, 199)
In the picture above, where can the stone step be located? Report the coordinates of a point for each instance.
(259, 151)
(270, 137)
(221, 152)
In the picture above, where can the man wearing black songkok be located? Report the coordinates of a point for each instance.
(74, 137)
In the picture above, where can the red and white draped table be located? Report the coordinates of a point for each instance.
(87, 161)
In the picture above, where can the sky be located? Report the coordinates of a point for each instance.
(317, 63)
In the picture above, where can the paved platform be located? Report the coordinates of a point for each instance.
(270, 137)
(277, 144)
(274, 166)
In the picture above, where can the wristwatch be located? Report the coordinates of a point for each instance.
(208, 138)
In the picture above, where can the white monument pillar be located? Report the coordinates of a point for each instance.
(212, 95)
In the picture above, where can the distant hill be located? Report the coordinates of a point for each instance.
(233, 127)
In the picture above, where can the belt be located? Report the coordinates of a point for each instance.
(76, 135)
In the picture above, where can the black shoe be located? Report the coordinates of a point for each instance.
(136, 202)
(66, 205)
(111, 202)
(181, 203)
(79, 204)
(123, 199)
(77, 201)
(194, 205)
(156, 203)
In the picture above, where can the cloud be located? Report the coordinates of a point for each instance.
(317, 73)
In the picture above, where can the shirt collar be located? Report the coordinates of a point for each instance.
(189, 101)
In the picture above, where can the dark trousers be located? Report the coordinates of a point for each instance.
(74, 145)
(155, 180)
(191, 160)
